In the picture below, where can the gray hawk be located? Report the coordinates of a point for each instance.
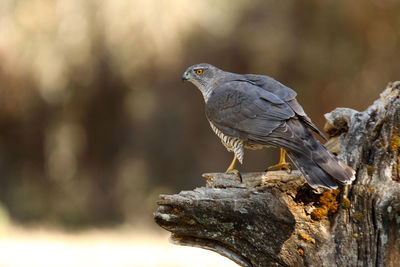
(255, 111)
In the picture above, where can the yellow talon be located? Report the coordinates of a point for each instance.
(232, 169)
(282, 165)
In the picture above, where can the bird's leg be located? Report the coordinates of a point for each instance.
(282, 165)
(232, 168)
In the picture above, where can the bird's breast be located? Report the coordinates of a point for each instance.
(229, 142)
(235, 145)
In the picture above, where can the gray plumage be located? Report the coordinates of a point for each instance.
(255, 111)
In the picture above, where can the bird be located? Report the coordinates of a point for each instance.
(250, 111)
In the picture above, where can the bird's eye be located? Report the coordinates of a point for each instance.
(199, 71)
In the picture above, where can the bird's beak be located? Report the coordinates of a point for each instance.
(185, 76)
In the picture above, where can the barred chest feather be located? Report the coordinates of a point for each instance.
(233, 144)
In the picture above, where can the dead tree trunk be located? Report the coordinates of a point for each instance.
(275, 219)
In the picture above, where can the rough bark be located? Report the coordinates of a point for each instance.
(275, 219)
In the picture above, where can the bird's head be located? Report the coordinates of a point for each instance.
(202, 75)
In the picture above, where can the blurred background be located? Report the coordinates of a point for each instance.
(95, 122)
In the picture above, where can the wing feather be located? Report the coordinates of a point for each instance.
(283, 92)
(240, 109)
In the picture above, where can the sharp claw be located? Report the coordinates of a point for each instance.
(240, 177)
(280, 167)
(237, 173)
(289, 170)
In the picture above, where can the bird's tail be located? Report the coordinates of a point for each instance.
(321, 168)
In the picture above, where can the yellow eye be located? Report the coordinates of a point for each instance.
(199, 72)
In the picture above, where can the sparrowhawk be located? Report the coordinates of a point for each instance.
(255, 111)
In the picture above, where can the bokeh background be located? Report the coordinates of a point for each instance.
(95, 122)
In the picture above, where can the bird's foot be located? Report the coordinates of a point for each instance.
(236, 172)
(283, 166)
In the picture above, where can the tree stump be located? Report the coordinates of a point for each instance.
(276, 219)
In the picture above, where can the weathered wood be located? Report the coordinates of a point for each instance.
(275, 219)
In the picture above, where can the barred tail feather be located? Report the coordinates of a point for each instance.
(314, 175)
(351, 174)
(322, 168)
(318, 165)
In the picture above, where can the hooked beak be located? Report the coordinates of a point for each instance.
(185, 76)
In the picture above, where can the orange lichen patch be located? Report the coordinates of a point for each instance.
(371, 189)
(370, 170)
(346, 203)
(395, 142)
(358, 217)
(356, 236)
(329, 199)
(301, 251)
(307, 238)
(328, 205)
(319, 213)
